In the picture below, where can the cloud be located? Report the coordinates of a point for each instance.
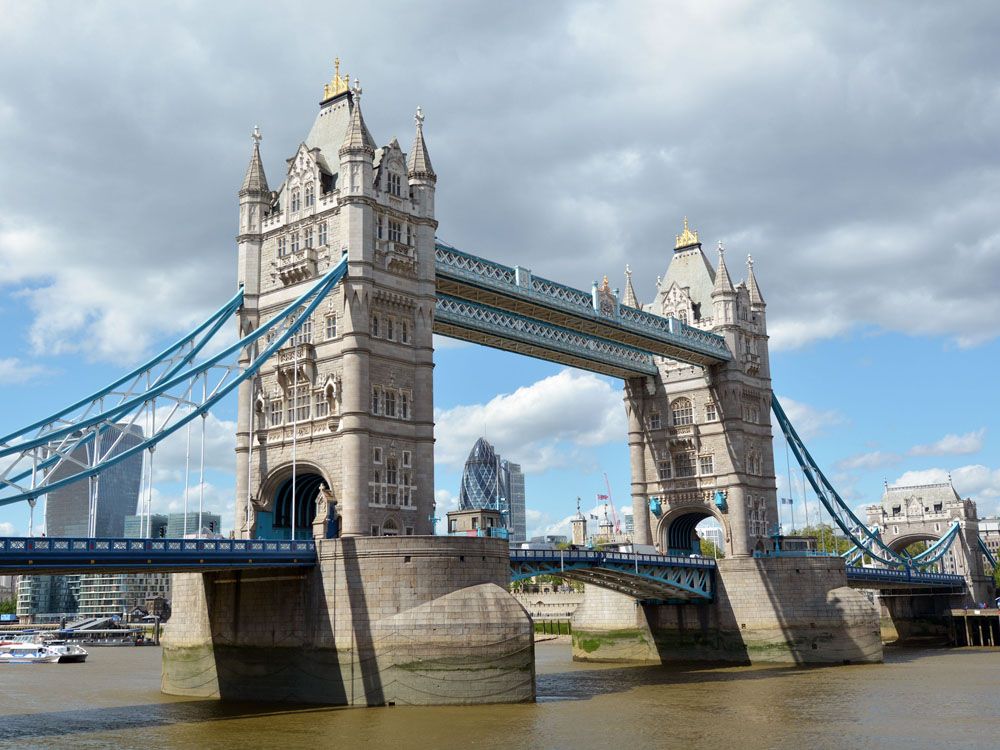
(977, 481)
(445, 501)
(970, 442)
(871, 460)
(808, 421)
(542, 426)
(6, 528)
(14, 370)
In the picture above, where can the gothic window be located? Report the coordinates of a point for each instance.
(298, 403)
(395, 184)
(407, 460)
(404, 332)
(295, 242)
(706, 465)
(377, 455)
(282, 246)
(389, 528)
(391, 472)
(295, 201)
(275, 413)
(378, 227)
(710, 413)
(404, 405)
(390, 402)
(304, 335)
(375, 327)
(684, 465)
(322, 234)
(376, 399)
(681, 412)
(310, 195)
(663, 468)
(409, 235)
(654, 420)
(682, 316)
(395, 231)
(322, 406)
(331, 327)
(307, 233)
(390, 328)
(753, 463)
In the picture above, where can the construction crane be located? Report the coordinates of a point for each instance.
(609, 501)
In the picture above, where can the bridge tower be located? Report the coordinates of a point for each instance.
(700, 438)
(925, 513)
(342, 417)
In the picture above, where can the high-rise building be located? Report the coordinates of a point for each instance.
(489, 481)
(136, 526)
(178, 528)
(67, 509)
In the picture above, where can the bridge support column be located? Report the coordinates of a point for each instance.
(379, 620)
(785, 610)
(637, 455)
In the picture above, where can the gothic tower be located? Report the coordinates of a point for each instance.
(700, 438)
(341, 418)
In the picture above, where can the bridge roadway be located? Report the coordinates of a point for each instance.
(669, 578)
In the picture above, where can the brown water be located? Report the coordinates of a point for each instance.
(918, 699)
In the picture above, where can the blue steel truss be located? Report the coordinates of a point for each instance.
(587, 350)
(881, 578)
(644, 577)
(516, 288)
(163, 396)
(70, 555)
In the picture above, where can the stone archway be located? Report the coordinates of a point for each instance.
(677, 534)
(284, 494)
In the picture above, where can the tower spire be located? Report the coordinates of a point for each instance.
(255, 182)
(357, 138)
(418, 164)
(629, 297)
(723, 284)
(756, 298)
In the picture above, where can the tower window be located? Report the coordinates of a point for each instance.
(376, 400)
(654, 420)
(390, 329)
(282, 246)
(310, 195)
(322, 234)
(404, 409)
(275, 413)
(684, 465)
(296, 202)
(706, 465)
(663, 468)
(682, 412)
(394, 184)
(404, 332)
(295, 242)
(331, 327)
(307, 233)
(395, 231)
(710, 413)
(375, 327)
(377, 454)
(390, 403)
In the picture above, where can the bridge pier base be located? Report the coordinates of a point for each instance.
(783, 610)
(379, 620)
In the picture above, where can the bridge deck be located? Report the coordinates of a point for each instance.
(885, 579)
(25, 556)
(498, 288)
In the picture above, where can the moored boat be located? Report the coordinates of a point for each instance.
(69, 653)
(28, 653)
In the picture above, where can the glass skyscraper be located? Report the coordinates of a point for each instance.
(488, 481)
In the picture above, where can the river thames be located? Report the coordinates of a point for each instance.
(920, 698)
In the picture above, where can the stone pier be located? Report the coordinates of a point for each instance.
(784, 610)
(381, 620)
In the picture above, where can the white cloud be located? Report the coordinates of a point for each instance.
(970, 442)
(870, 460)
(445, 500)
(541, 426)
(6, 528)
(808, 421)
(977, 481)
(14, 370)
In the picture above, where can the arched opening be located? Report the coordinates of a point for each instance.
(681, 532)
(390, 528)
(915, 543)
(307, 486)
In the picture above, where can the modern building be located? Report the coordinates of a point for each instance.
(135, 526)
(989, 532)
(493, 483)
(179, 526)
(67, 509)
(715, 536)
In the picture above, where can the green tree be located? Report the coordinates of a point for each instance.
(827, 538)
(708, 549)
(8, 606)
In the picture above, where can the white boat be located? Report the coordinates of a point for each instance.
(28, 653)
(69, 653)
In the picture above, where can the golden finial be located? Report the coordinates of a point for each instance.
(687, 238)
(605, 285)
(338, 85)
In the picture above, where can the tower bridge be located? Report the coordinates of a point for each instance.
(335, 589)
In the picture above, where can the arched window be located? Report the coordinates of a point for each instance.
(310, 195)
(389, 528)
(295, 201)
(682, 412)
(682, 316)
(391, 471)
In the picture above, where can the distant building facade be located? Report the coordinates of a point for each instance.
(180, 525)
(491, 482)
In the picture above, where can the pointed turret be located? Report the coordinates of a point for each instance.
(255, 182)
(756, 298)
(418, 163)
(629, 298)
(357, 139)
(723, 284)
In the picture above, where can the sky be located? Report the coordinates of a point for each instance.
(851, 148)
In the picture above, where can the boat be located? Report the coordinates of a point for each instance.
(28, 653)
(69, 653)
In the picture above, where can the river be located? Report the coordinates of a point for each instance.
(920, 698)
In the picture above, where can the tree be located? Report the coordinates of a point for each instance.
(827, 539)
(708, 549)
(8, 606)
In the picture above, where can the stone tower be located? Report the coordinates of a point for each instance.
(700, 438)
(340, 421)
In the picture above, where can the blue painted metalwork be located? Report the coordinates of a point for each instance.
(655, 506)
(50, 555)
(517, 283)
(937, 550)
(645, 577)
(905, 577)
(176, 385)
(990, 558)
(510, 326)
(720, 501)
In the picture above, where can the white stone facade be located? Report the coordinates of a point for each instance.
(353, 388)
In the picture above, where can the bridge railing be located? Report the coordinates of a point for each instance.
(111, 546)
(598, 558)
(907, 575)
